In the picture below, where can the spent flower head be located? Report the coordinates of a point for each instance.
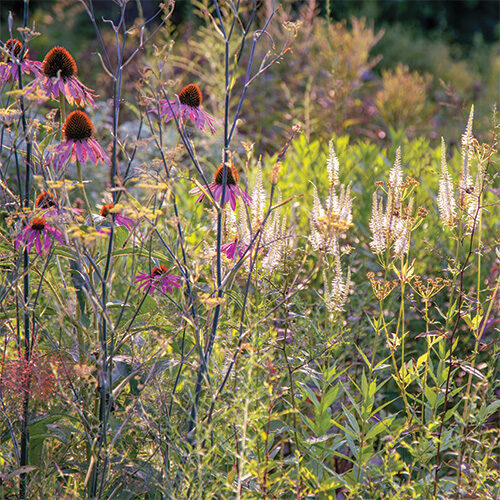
(9, 62)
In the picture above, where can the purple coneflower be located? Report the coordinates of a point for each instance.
(59, 77)
(80, 143)
(188, 106)
(232, 190)
(120, 220)
(9, 68)
(35, 233)
(159, 277)
(47, 204)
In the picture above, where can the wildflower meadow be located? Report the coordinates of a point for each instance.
(239, 260)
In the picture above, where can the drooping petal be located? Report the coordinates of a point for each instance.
(232, 198)
(47, 240)
(38, 243)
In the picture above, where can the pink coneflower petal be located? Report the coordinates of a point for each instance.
(229, 249)
(38, 243)
(47, 242)
(159, 277)
(232, 197)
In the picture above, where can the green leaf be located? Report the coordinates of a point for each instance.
(352, 420)
(330, 396)
(379, 427)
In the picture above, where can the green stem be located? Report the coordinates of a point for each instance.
(428, 352)
(82, 189)
(62, 110)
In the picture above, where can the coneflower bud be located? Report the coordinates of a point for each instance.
(45, 200)
(232, 174)
(106, 209)
(78, 126)
(275, 173)
(13, 46)
(59, 59)
(191, 95)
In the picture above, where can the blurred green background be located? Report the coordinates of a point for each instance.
(371, 69)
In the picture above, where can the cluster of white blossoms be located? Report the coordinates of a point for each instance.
(335, 219)
(270, 243)
(468, 191)
(337, 291)
(391, 223)
(446, 198)
(328, 223)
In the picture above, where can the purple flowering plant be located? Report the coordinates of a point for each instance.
(304, 341)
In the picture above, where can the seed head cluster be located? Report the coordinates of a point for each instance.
(38, 224)
(191, 95)
(59, 59)
(232, 174)
(78, 126)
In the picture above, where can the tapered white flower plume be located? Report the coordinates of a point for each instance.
(329, 223)
(396, 174)
(337, 291)
(446, 197)
(390, 224)
(377, 226)
(332, 165)
(465, 177)
(270, 245)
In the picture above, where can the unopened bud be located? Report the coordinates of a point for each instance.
(275, 173)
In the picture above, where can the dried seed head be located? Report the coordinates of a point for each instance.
(38, 224)
(13, 46)
(232, 174)
(45, 200)
(78, 126)
(191, 95)
(59, 59)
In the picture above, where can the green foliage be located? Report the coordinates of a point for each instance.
(274, 373)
